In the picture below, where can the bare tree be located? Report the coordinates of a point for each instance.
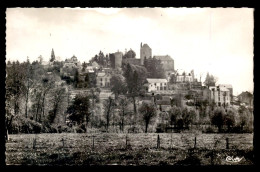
(123, 104)
(148, 112)
(108, 104)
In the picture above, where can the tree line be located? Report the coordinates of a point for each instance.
(38, 101)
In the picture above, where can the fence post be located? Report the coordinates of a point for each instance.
(93, 145)
(62, 142)
(126, 140)
(34, 142)
(171, 141)
(195, 142)
(227, 143)
(158, 142)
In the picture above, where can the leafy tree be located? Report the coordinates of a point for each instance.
(129, 54)
(76, 79)
(79, 110)
(135, 77)
(154, 68)
(180, 123)
(84, 66)
(94, 97)
(175, 114)
(148, 112)
(44, 84)
(188, 117)
(118, 85)
(15, 89)
(173, 78)
(245, 117)
(57, 98)
(217, 118)
(210, 80)
(28, 85)
(177, 100)
(229, 119)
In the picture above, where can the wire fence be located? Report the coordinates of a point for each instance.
(136, 141)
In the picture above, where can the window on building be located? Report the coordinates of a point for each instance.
(160, 84)
(164, 88)
(101, 79)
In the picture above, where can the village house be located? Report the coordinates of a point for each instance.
(72, 63)
(246, 97)
(228, 86)
(103, 79)
(185, 77)
(219, 95)
(156, 85)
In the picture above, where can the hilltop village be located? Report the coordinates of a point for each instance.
(146, 94)
(172, 82)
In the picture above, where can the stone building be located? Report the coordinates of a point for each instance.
(145, 53)
(116, 59)
(132, 61)
(167, 63)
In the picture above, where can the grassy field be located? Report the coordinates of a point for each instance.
(141, 149)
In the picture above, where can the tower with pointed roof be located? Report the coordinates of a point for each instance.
(52, 56)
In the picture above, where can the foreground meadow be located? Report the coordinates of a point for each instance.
(129, 149)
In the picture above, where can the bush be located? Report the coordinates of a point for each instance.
(64, 128)
(209, 129)
(160, 128)
(80, 128)
(29, 126)
(133, 130)
(49, 129)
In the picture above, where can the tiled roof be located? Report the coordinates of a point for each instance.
(146, 45)
(101, 74)
(155, 80)
(223, 89)
(226, 85)
(162, 58)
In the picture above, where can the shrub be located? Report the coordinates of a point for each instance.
(160, 128)
(209, 129)
(29, 126)
(63, 128)
(134, 130)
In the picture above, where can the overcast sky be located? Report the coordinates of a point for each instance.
(214, 40)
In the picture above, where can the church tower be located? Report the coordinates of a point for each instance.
(52, 56)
